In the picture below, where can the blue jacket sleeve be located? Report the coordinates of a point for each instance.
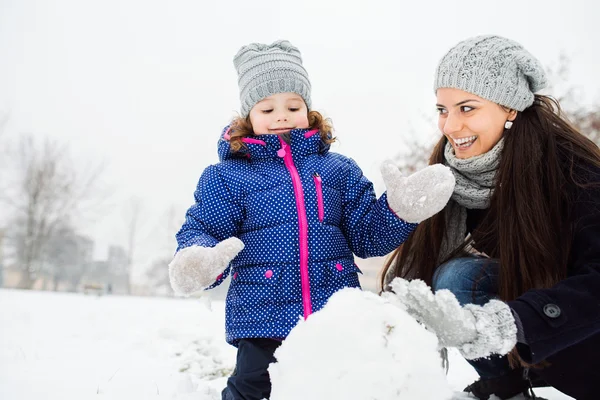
(213, 218)
(370, 226)
(556, 318)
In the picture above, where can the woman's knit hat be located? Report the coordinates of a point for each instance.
(264, 70)
(494, 68)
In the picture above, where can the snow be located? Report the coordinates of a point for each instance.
(359, 344)
(72, 346)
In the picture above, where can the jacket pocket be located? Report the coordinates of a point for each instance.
(319, 189)
(252, 294)
(337, 275)
(342, 274)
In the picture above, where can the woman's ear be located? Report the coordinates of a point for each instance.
(512, 114)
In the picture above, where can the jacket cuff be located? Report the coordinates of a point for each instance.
(394, 219)
(519, 324)
(534, 349)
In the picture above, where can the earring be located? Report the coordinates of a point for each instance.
(508, 125)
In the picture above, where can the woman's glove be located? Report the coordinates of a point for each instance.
(196, 268)
(477, 331)
(419, 196)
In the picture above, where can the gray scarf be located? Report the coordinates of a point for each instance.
(475, 178)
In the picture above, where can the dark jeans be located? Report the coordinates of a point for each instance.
(250, 379)
(473, 280)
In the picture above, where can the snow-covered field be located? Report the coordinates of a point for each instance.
(73, 346)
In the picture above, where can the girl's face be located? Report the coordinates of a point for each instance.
(472, 125)
(279, 113)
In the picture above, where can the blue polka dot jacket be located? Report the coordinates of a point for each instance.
(302, 212)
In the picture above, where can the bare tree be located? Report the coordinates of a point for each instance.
(158, 272)
(1, 257)
(3, 123)
(67, 257)
(415, 159)
(588, 121)
(585, 117)
(46, 192)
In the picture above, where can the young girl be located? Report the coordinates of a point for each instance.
(519, 243)
(285, 216)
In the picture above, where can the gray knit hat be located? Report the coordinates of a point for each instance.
(494, 68)
(266, 69)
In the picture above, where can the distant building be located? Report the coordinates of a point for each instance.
(112, 274)
(117, 260)
(85, 249)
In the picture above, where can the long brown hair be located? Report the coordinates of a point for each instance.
(543, 160)
(242, 127)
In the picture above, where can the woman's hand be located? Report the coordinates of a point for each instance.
(477, 331)
(419, 196)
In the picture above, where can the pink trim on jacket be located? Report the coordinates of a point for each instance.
(310, 133)
(253, 141)
(227, 136)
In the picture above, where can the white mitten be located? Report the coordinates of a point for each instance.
(421, 195)
(195, 268)
(477, 331)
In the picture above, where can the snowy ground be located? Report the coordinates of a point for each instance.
(73, 346)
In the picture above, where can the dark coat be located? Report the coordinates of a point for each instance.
(562, 324)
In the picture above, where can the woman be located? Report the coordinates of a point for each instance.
(518, 245)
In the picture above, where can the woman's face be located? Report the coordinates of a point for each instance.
(472, 125)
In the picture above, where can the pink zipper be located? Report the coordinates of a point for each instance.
(286, 153)
(319, 188)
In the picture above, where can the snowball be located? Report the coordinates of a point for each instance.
(359, 346)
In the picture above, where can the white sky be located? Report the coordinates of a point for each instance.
(147, 85)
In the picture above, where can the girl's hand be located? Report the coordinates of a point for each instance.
(477, 331)
(195, 268)
(421, 195)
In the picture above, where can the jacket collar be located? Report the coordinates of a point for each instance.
(303, 142)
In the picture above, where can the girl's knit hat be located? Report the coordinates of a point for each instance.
(264, 70)
(494, 68)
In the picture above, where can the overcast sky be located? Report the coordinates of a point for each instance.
(147, 85)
